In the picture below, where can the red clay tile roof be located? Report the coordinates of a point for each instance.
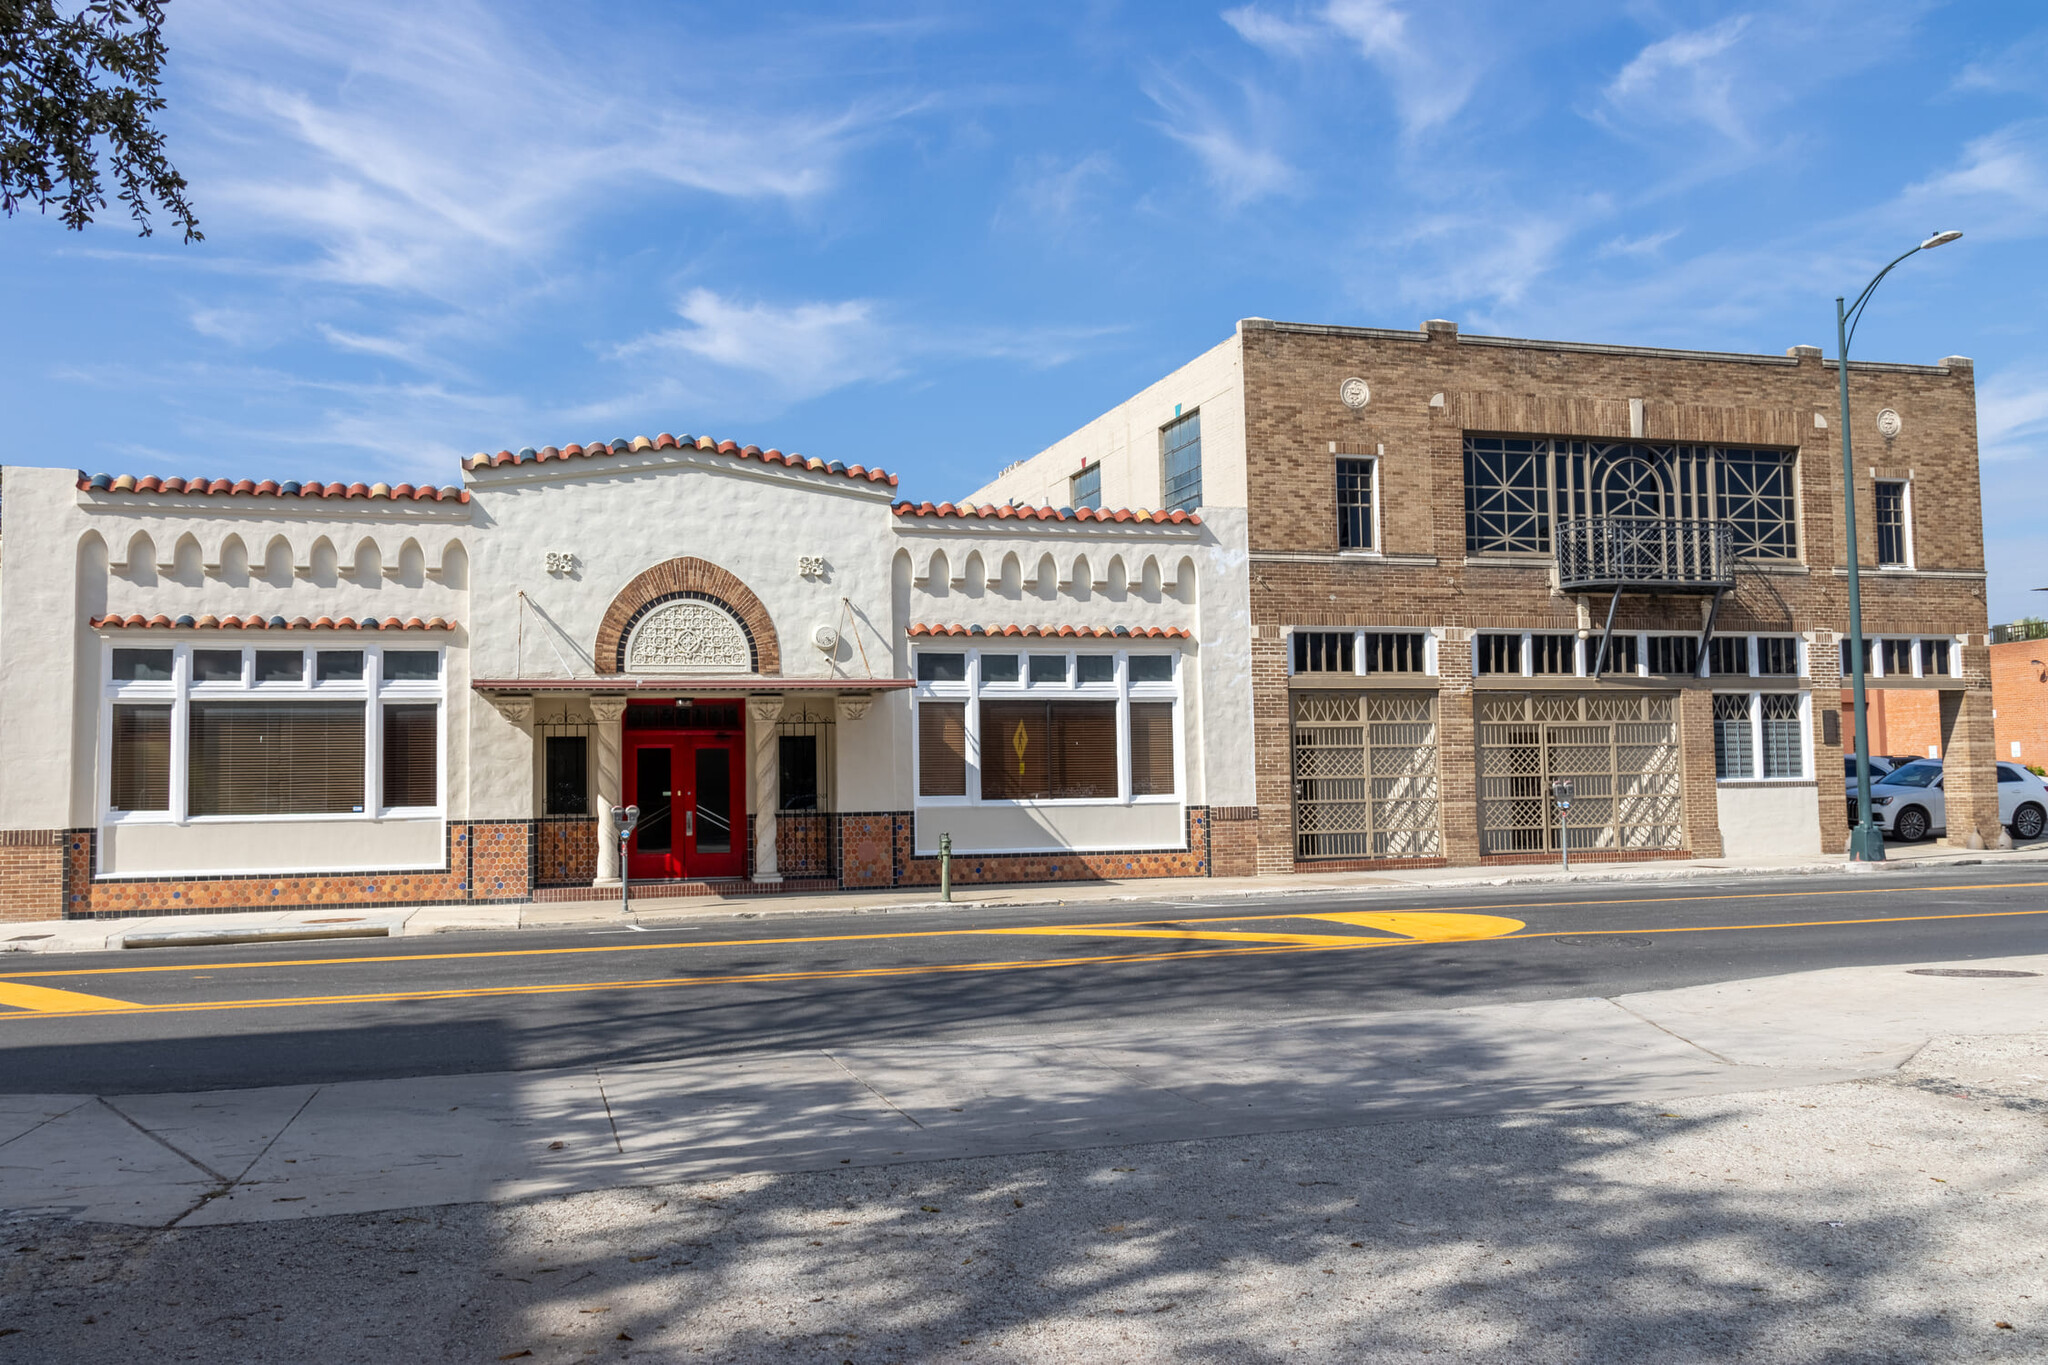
(137, 621)
(1061, 632)
(948, 509)
(269, 488)
(684, 442)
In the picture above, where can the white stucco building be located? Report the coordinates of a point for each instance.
(221, 696)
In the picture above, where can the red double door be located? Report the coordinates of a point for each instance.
(692, 805)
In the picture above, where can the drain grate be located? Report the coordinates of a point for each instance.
(1602, 940)
(1962, 971)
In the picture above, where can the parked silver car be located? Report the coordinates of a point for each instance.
(1910, 804)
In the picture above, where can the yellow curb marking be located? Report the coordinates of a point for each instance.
(1217, 935)
(44, 1000)
(1428, 926)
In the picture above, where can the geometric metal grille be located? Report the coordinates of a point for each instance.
(1514, 486)
(1365, 782)
(1620, 752)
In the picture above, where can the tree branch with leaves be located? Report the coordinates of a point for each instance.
(77, 89)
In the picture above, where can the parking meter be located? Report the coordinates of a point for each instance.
(624, 820)
(1561, 793)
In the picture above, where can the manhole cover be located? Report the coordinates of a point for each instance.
(1962, 971)
(1603, 940)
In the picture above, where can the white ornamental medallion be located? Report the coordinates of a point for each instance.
(687, 637)
(1355, 392)
(1888, 423)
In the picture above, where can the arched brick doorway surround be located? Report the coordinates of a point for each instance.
(679, 578)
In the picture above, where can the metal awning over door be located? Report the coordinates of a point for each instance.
(1619, 750)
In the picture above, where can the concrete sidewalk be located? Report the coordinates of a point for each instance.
(341, 921)
(219, 1157)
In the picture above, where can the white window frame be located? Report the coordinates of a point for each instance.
(1756, 736)
(1119, 689)
(1432, 643)
(181, 691)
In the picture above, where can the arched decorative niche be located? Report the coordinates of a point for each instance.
(681, 616)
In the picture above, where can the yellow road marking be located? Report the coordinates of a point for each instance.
(1428, 926)
(657, 983)
(1341, 944)
(669, 946)
(1219, 935)
(43, 999)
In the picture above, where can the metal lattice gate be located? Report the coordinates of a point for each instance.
(1365, 782)
(1620, 752)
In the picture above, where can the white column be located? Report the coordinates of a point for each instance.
(762, 713)
(609, 713)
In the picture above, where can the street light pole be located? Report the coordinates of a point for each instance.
(1866, 841)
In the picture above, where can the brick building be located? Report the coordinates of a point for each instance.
(1478, 565)
(2019, 690)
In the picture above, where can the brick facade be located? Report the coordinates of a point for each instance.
(1429, 390)
(2019, 690)
(487, 861)
(678, 578)
(31, 874)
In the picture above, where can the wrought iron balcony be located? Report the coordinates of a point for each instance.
(1644, 554)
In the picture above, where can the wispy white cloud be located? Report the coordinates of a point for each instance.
(1648, 245)
(1685, 78)
(2012, 416)
(2012, 70)
(1281, 37)
(801, 350)
(1057, 192)
(426, 149)
(1235, 147)
(1430, 76)
(1999, 186)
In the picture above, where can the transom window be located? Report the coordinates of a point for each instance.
(1360, 651)
(1515, 485)
(1093, 726)
(1903, 657)
(269, 732)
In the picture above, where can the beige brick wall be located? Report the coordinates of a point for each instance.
(1427, 393)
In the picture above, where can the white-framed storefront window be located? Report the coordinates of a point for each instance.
(1035, 725)
(1763, 736)
(195, 733)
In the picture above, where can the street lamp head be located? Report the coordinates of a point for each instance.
(1940, 239)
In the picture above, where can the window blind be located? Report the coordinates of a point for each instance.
(411, 756)
(1060, 751)
(142, 758)
(1151, 748)
(942, 748)
(276, 758)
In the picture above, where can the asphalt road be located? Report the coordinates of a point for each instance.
(163, 1020)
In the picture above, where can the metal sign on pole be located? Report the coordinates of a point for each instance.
(624, 820)
(1561, 793)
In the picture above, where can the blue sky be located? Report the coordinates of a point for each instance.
(937, 237)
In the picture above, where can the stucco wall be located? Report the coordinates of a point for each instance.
(1126, 442)
(1771, 821)
(73, 554)
(133, 849)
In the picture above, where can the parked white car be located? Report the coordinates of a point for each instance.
(1880, 764)
(1909, 803)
